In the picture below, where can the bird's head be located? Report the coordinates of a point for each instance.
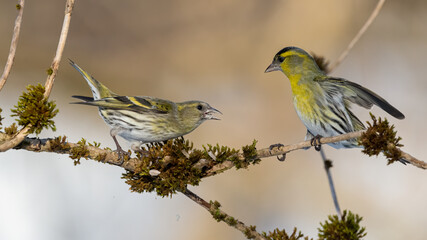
(293, 61)
(192, 113)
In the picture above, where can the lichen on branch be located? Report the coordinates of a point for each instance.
(379, 137)
(278, 234)
(170, 167)
(35, 110)
(347, 227)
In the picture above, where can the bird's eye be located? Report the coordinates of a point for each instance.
(199, 107)
(280, 58)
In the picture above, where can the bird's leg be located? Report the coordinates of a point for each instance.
(308, 136)
(278, 145)
(119, 149)
(315, 142)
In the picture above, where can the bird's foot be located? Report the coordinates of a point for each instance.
(119, 149)
(315, 142)
(141, 153)
(150, 145)
(278, 145)
(140, 150)
(282, 158)
(122, 155)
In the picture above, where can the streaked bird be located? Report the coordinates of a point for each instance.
(323, 102)
(144, 119)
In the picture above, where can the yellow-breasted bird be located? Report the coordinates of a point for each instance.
(144, 119)
(323, 102)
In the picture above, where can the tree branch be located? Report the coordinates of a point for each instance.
(60, 49)
(220, 215)
(23, 133)
(359, 34)
(13, 44)
(109, 156)
(327, 165)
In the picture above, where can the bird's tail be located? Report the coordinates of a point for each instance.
(99, 91)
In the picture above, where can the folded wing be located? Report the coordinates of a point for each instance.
(137, 104)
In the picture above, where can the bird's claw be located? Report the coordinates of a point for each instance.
(121, 153)
(315, 142)
(278, 145)
(142, 152)
(282, 158)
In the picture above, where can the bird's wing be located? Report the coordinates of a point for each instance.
(357, 94)
(138, 104)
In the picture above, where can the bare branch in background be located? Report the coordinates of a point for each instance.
(60, 49)
(13, 44)
(327, 165)
(359, 34)
(22, 134)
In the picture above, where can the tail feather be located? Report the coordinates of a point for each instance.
(99, 90)
(85, 103)
(84, 98)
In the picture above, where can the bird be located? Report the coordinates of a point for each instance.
(143, 119)
(323, 102)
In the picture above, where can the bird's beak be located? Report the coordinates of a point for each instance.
(208, 115)
(273, 67)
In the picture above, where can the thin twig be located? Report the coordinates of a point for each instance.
(239, 225)
(327, 164)
(60, 49)
(22, 134)
(13, 44)
(359, 34)
(266, 152)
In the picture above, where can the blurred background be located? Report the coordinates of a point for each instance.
(215, 51)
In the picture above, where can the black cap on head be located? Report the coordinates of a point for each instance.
(286, 49)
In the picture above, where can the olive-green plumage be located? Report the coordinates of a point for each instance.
(323, 102)
(144, 119)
